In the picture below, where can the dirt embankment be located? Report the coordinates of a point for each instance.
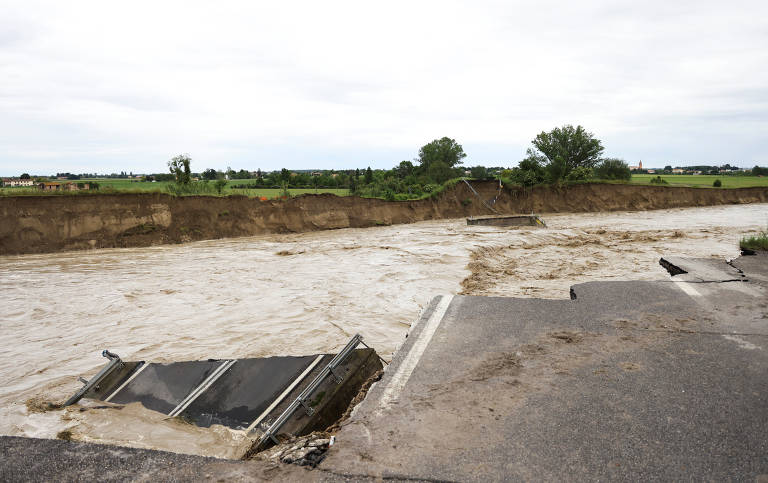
(40, 224)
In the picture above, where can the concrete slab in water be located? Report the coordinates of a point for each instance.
(161, 387)
(507, 220)
(238, 397)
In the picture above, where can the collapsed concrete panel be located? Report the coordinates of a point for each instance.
(507, 220)
(269, 399)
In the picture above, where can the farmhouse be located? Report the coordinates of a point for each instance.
(17, 182)
(49, 186)
(56, 186)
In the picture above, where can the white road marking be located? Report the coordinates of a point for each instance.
(742, 343)
(285, 393)
(400, 378)
(133, 376)
(687, 288)
(204, 386)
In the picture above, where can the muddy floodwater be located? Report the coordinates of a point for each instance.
(294, 294)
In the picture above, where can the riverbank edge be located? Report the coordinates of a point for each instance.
(45, 224)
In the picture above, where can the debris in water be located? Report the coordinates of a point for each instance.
(508, 220)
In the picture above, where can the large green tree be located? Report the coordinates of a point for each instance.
(179, 167)
(444, 150)
(567, 149)
(404, 169)
(210, 174)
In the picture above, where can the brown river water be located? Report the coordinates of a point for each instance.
(292, 295)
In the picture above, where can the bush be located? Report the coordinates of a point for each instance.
(219, 185)
(192, 188)
(613, 168)
(579, 173)
(658, 180)
(757, 242)
(717, 183)
(529, 172)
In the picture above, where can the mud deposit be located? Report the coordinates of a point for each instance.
(296, 294)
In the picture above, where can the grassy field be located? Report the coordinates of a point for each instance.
(702, 180)
(126, 184)
(129, 186)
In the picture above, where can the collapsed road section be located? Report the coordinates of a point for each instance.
(268, 398)
(663, 380)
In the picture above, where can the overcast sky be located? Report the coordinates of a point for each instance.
(106, 86)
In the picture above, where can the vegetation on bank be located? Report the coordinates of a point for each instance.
(565, 155)
(755, 242)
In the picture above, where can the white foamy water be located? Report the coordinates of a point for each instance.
(293, 294)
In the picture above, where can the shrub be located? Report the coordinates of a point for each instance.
(219, 185)
(529, 172)
(613, 168)
(192, 188)
(756, 242)
(579, 173)
(658, 180)
(717, 183)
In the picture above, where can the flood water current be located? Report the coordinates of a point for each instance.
(294, 294)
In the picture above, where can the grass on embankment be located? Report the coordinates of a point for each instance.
(702, 180)
(755, 242)
(118, 186)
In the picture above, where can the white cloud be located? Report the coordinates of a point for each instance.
(90, 86)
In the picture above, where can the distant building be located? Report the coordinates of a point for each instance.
(49, 186)
(639, 166)
(17, 182)
(651, 171)
(678, 171)
(56, 186)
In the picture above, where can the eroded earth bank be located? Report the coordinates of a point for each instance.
(44, 224)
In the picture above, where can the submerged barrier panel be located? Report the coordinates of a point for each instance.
(256, 395)
(511, 220)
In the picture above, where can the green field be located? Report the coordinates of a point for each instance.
(111, 185)
(127, 185)
(702, 180)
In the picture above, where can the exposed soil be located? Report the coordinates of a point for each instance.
(43, 224)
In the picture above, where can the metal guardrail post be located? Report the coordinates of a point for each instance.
(302, 399)
(114, 362)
